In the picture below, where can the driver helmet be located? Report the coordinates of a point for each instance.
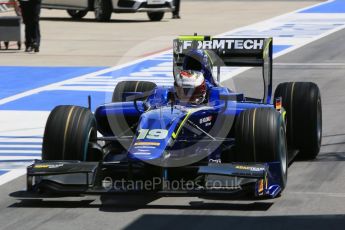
(200, 60)
(190, 86)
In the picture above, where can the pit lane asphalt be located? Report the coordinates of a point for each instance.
(313, 199)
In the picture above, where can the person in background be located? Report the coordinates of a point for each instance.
(31, 10)
(176, 12)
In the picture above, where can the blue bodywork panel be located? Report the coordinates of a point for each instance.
(168, 121)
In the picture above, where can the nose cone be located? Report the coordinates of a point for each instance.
(155, 134)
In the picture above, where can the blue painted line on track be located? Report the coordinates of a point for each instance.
(47, 100)
(279, 48)
(89, 84)
(16, 137)
(21, 143)
(20, 154)
(337, 6)
(20, 148)
(134, 68)
(17, 79)
(2, 172)
(16, 161)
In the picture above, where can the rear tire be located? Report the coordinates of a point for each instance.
(131, 86)
(260, 137)
(103, 10)
(67, 134)
(77, 14)
(302, 102)
(155, 16)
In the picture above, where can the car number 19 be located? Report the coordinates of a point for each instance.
(157, 134)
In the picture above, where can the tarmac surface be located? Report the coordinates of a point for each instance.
(314, 197)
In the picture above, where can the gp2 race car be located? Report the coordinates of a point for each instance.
(153, 142)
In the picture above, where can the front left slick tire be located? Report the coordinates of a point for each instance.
(68, 132)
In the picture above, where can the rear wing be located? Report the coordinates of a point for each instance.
(232, 52)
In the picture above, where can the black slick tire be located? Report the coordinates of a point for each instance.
(131, 86)
(68, 131)
(260, 137)
(302, 102)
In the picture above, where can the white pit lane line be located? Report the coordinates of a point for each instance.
(309, 28)
(12, 174)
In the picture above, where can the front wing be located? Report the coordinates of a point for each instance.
(75, 177)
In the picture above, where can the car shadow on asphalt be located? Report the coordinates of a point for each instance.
(202, 221)
(330, 156)
(123, 203)
(111, 205)
(329, 142)
(333, 135)
(322, 157)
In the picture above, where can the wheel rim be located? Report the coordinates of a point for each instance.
(282, 152)
(92, 134)
(319, 122)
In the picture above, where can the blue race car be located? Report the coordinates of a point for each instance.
(193, 138)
